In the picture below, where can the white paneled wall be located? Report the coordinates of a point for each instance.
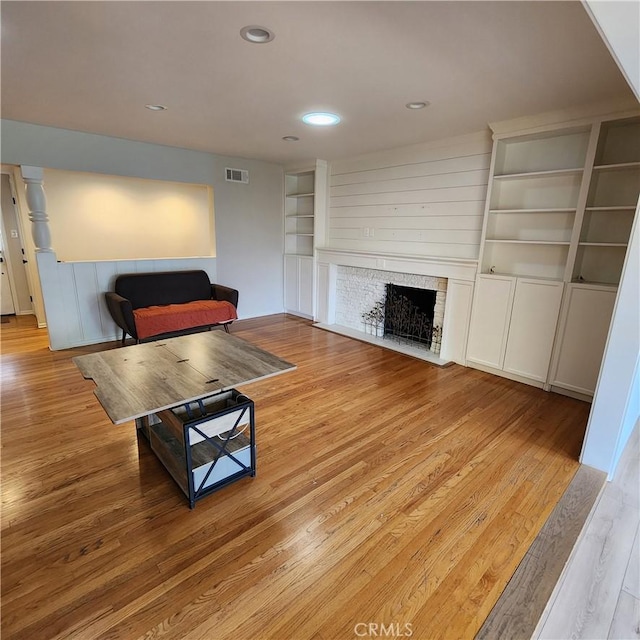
(74, 294)
(423, 200)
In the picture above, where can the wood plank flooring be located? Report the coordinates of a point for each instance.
(389, 492)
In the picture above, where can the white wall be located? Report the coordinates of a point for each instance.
(93, 216)
(248, 217)
(421, 200)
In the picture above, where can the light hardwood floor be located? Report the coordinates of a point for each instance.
(389, 491)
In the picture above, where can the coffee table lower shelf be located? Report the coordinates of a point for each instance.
(205, 445)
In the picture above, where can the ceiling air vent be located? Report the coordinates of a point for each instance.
(237, 175)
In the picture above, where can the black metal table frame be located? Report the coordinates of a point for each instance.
(194, 493)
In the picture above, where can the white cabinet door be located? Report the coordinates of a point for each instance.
(305, 285)
(582, 337)
(536, 305)
(291, 283)
(490, 319)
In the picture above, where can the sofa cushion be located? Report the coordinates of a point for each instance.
(152, 321)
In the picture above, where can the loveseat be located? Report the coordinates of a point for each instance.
(148, 306)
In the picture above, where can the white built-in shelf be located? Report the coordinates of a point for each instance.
(538, 174)
(299, 210)
(615, 208)
(603, 244)
(552, 210)
(617, 166)
(300, 195)
(503, 241)
(507, 274)
(597, 283)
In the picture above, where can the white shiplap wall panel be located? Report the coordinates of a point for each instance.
(437, 166)
(416, 183)
(439, 236)
(467, 223)
(423, 200)
(74, 294)
(106, 273)
(408, 249)
(446, 194)
(448, 209)
(467, 145)
(86, 286)
(66, 282)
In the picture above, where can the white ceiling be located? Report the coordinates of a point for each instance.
(92, 66)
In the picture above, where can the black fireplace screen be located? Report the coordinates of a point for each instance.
(408, 314)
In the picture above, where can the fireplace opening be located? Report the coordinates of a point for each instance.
(408, 314)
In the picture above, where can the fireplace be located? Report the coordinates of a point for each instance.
(361, 305)
(351, 292)
(408, 314)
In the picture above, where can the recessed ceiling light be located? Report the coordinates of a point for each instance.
(321, 119)
(256, 34)
(156, 107)
(291, 138)
(417, 105)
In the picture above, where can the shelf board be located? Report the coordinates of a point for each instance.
(533, 210)
(300, 195)
(293, 233)
(520, 275)
(602, 244)
(615, 167)
(538, 174)
(550, 242)
(594, 282)
(613, 208)
(300, 215)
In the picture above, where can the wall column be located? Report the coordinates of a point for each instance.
(33, 178)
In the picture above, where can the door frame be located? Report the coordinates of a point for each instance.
(6, 170)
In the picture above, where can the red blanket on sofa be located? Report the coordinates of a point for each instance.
(152, 321)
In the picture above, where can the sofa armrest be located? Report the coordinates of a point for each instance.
(121, 311)
(220, 292)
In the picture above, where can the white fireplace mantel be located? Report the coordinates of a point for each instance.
(460, 275)
(453, 268)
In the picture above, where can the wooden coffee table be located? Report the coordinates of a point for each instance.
(180, 392)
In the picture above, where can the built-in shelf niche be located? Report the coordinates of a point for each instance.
(614, 186)
(599, 264)
(607, 225)
(299, 212)
(526, 259)
(546, 191)
(611, 204)
(542, 152)
(537, 225)
(619, 142)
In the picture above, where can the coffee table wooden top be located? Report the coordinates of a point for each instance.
(144, 378)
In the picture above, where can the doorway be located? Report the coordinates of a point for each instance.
(7, 307)
(15, 295)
